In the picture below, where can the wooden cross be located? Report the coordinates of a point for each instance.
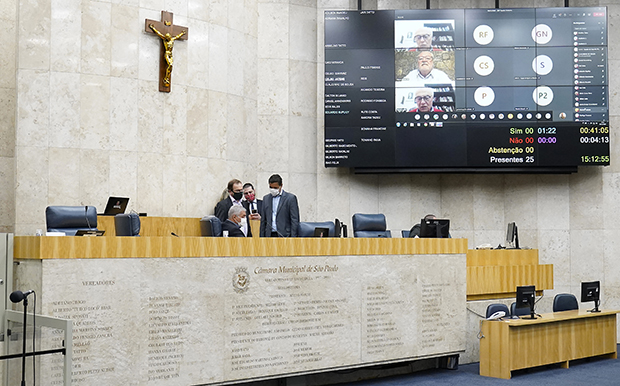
(168, 33)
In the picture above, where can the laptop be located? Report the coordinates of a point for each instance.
(321, 232)
(116, 205)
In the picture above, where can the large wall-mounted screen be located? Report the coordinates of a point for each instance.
(463, 90)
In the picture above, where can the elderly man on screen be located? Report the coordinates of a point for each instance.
(426, 73)
(424, 98)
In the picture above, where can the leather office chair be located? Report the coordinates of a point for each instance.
(70, 219)
(127, 224)
(210, 226)
(523, 311)
(370, 225)
(306, 228)
(565, 302)
(495, 307)
(405, 233)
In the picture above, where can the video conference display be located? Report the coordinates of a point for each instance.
(465, 89)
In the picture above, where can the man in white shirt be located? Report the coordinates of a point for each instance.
(425, 73)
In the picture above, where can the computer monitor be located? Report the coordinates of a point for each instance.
(591, 292)
(435, 227)
(321, 232)
(512, 236)
(526, 296)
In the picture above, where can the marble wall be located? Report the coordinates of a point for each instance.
(85, 121)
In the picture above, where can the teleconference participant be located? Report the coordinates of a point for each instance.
(423, 38)
(424, 98)
(235, 194)
(236, 223)
(426, 73)
(280, 217)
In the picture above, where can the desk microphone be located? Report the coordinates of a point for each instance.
(18, 296)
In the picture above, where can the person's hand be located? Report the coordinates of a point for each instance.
(255, 216)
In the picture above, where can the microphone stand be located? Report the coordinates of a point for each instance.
(24, 344)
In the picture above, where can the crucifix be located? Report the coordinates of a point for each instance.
(168, 33)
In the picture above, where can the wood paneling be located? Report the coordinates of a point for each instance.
(496, 273)
(43, 247)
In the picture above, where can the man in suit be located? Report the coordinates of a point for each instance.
(253, 206)
(280, 215)
(235, 194)
(236, 222)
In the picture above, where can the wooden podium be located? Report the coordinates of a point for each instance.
(496, 273)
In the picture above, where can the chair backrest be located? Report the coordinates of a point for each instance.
(306, 228)
(210, 226)
(495, 307)
(370, 225)
(405, 233)
(514, 311)
(565, 302)
(70, 219)
(127, 224)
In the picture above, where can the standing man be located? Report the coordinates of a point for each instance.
(235, 194)
(280, 216)
(253, 206)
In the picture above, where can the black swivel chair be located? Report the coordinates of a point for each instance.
(565, 302)
(306, 228)
(523, 311)
(370, 225)
(495, 307)
(70, 219)
(127, 224)
(211, 226)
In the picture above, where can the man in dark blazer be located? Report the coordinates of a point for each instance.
(235, 222)
(235, 194)
(280, 215)
(253, 206)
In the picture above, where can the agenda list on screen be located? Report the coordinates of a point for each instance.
(473, 88)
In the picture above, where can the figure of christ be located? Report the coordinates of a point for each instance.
(168, 41)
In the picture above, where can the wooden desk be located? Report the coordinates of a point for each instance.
(555, 338)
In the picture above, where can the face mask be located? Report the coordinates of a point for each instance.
(237, 195)
(243, 222)
(250, 197)
(274, 192)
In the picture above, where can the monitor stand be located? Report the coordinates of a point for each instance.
(596, 304)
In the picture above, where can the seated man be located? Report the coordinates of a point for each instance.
(236, 222)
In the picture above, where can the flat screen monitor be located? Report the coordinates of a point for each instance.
(526, 297)
(591, 292)
(466, 90)
(512, 236)
(321, 232)
(438, 228)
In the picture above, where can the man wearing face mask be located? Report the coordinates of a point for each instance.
(280, 215)
(236, 222)
(235, 194)
(253, 206)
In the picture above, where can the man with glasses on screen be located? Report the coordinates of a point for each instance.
(424, 98)
(423, 38)
(426, 73)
